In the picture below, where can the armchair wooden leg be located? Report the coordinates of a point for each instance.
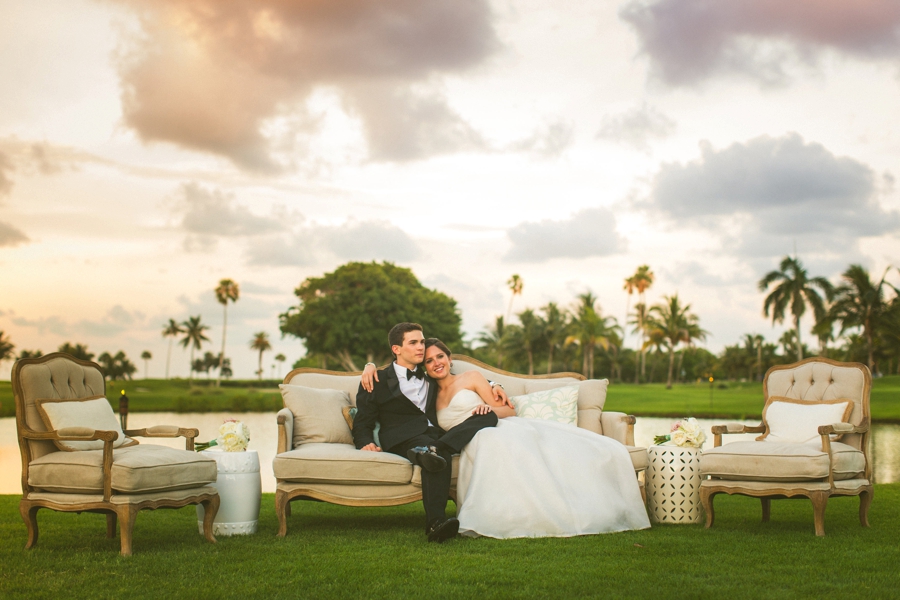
(282, 510)
(127, 516)
(29, 515)
(819, 501)
(706, 499)
(210, 509)
(110, 525)
(766, 509)
(865, 499)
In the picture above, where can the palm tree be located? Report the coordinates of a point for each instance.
(146, 356)
(515, 285)
(590, 329)
(639, 327)
(554, 327)
(795, 289)
(6, 347)
(640, 282)
(225, 291)
(494, 339)
(261, 343)
(526, 337)
(170, 330)
(754, 343)
(672, 322)
(194, 336)
(860, 302)
(280, 358)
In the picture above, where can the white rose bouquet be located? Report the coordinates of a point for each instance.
(686, 433)
(234, 436)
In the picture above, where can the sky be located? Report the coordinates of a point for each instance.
(150, 148)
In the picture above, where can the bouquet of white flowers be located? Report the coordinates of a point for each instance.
(685, 433)
(233, 437)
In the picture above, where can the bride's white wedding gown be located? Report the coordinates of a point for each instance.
(534, 478)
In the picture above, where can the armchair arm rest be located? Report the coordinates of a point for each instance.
(719, 430)
(618, 426)
(72, 434)
(285, 430)
(167, 431)
(863, 427)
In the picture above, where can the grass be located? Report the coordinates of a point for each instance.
(729, 399)
(339, 552)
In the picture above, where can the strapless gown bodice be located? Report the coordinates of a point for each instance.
(534, 478)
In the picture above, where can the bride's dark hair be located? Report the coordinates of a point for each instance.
(429, 342)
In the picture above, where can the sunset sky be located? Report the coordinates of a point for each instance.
(149, 148)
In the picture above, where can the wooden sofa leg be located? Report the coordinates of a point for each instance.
(127, 516)
(819, 501)
(766, 509)
(210, 509)
(865, 499)
(706, 499)
(282, 508)
(110, 525)
(29, 515)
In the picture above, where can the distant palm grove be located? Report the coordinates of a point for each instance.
(343, 317)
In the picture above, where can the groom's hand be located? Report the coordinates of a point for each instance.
(501, 397)
(369, 377)
(371, 448)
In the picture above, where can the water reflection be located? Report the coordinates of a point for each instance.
(264, 438)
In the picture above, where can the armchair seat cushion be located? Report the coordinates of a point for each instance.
(136, 469)
(323, 462)
(780, 461)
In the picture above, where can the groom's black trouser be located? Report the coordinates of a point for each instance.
(436, 486)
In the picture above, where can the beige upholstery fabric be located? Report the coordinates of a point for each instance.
(317, 414)
(348, 383)
(639, 457)
(341, 463)
(56, 378)
(798, 421)
(136, 469)
(351, 494)
(94, 413)
(612, 424)
(122, 499)
(556, 404)
(774, 461)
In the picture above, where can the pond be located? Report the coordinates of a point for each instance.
(264, 439)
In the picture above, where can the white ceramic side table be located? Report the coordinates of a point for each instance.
(240, 487)
(673, 484)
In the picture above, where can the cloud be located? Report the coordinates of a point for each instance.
(589, 232)
(208, 74)
(688, 41)
(769, 190)
(550, 141)
(635, 128)
(11, 236)
(6, 169)
(207, 214)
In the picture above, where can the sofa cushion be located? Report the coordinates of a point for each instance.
(93, 413)
(318, 415)
(798, 421)
(557, 404)
(341, 463)
(136, 469)
(777, 461)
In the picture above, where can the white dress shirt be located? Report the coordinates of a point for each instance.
(416, 390)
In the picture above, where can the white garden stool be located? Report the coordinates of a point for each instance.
(673, 484)
(240, 487)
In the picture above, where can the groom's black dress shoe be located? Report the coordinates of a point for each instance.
(427, 458)
(441, 531)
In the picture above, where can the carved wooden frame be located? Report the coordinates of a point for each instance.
(283, 497)
(125, 513)
(780, 490)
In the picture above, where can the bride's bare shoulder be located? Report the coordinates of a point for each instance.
(472, 377)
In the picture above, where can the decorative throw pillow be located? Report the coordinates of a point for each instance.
(559, 404)
(317, 414)
(798, 421)
(94, 413)
(350, 416)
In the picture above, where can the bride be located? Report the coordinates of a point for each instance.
(529, 477)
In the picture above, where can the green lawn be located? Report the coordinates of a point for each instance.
(338, 552)
(729, 399)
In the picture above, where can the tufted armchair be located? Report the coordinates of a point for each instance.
(833, 460)
(85, 465)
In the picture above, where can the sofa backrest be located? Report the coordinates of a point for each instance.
(591, 393)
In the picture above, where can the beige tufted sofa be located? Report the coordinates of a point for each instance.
(116, 482)
(341, 474)
(771, 470)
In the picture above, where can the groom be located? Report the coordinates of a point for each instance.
(402, 399)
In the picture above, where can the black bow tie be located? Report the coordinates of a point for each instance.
(417, 373)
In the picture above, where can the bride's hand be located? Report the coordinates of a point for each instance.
(482, 410)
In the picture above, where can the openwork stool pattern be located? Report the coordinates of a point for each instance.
(673, 485)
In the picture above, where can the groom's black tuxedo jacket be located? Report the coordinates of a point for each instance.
(400, 418)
